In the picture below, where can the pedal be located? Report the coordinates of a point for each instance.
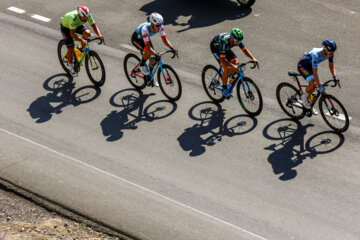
(308, 112)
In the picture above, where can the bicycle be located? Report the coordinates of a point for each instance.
(331, 109)
(170, 84)
(94, 66)
(248, 93)
(246, 3)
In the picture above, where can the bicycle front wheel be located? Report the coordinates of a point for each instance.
(289, 99)
(95, 68)
(249, 96)
(132, 71)
(334, 113)
(211, 80)
(62, 52)
(169, 82)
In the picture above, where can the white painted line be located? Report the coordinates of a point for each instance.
(15, 9)
(340, 117)
(135, 185)
(127, 46)
(41, 18)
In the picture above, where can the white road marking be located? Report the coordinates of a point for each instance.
(41, 18)
(15, 9)
(127, 46)
(135, 185)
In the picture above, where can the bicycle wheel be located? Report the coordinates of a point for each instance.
(95, 69)
(249, 96)
(211, 79)
(334, 113)
(62, 50)
(170, 84)
(289, 99)
(246, 3)
(132, 71)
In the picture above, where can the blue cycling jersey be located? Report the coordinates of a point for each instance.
(314, 57)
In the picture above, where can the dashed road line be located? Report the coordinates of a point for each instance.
(41, 18)
(17, 10)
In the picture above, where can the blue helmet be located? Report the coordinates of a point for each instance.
(329, 45)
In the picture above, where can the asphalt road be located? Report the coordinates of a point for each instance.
(176, 175)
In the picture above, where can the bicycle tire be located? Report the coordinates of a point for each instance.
(214, 94)
(334, 111)
(60, 56)
(292, 99)
(93, 56)
(137, 82)
(250, 96)
(174, 81)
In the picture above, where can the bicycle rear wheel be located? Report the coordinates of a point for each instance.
(62, 50)
(132, 71)
(334, 113)
(211, 79)
(249, 96)
(289, 99)
(170, 84)
(95, 69)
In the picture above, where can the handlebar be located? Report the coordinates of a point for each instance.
(241, 65)
(168, 51)
(93, 39)
(332, 80)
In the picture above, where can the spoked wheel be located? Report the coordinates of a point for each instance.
(289, 99)
(169, 82)
(95, 68)
(334, 113)
(62, 51)
(132, 71)
(249, 96)
(211, 79)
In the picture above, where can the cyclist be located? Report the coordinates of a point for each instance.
(141, 40)
(308, 66)
(221, 46)
(72, 23)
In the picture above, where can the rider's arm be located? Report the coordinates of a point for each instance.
(249, 55)
(165, 40)
(97, 31)
(332, 67)
(75, 36)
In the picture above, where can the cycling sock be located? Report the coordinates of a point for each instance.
(142, 62)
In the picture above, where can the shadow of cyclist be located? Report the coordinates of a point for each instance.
(61, 88)
(292, 150)
(196, 13)
(211, 127)
(132, 103)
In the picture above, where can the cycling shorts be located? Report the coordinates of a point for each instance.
(306, 71)
(229, 54)
(66, 33)
(139, 43)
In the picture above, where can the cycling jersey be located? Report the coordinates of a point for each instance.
(144, 32)
(314, 57)
(71, 20)
(222, 43)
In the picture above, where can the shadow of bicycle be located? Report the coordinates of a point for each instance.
(132, 103)
(212, 128)
(293, 150)
(62, 94)
(196, 13)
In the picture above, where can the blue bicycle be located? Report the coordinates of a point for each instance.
(248, 93)
(168, 79)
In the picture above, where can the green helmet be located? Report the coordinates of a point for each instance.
(236, 34)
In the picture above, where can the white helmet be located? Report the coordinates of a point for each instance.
(156, 18)
(83, 11)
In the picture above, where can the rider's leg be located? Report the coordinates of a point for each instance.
(306, 73)
(86, 34)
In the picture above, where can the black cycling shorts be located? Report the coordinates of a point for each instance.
(66, 33)
(229, 54)
(139, 43)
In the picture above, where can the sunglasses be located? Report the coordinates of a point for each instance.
(158, 25)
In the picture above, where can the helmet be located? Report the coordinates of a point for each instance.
(236, 34)
(156, 18)
(83, 11)
(329, 45)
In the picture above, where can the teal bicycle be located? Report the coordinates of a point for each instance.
(168, 79)
(94, 66)
(248, 93)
